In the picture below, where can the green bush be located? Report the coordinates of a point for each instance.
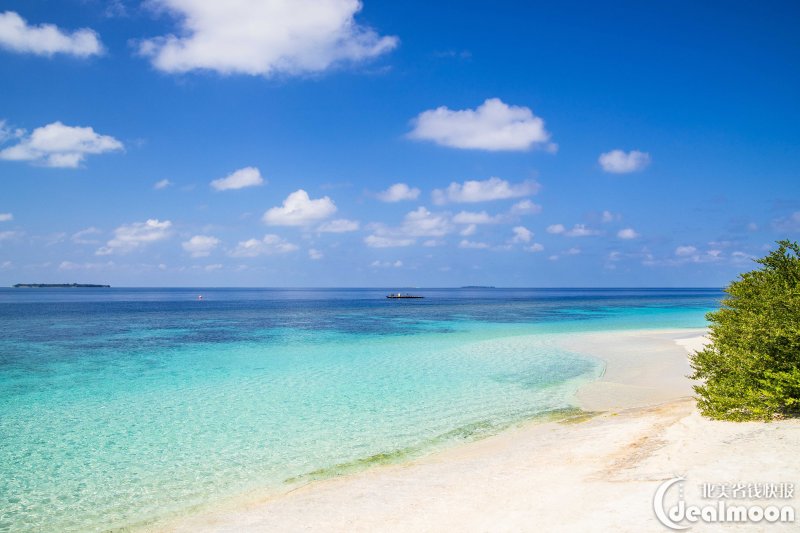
(751, 368)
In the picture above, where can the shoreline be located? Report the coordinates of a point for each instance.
(526, 477)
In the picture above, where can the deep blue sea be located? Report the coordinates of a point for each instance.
(123, 407)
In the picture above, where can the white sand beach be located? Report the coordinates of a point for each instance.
(594, 473)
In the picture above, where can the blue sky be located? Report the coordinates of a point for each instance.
(186, 143)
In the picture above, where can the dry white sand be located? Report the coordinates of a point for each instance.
(598, 474)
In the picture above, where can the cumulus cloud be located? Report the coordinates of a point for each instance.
(271, 244)
(684, 251)
(526, 207)
(244, 177)
(162, 184)
(46, 39)
(534, 248)
(471, 217)
(627, 233)
(263, 37)
(469, 230)
(423, 223)
(619, 162)
(300, 210)
(472, 245)
(5, 217)
(341, 225)
(472, 191)
(398, 192)
(521, 234)
(493, 126)
(200, 245)
(314, 254)
(129, 237)
(57, 145)
(382, 241)
(578, 230)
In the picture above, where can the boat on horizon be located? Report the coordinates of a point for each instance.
(402, 296)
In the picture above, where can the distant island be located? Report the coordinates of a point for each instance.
(60, 286)
(478, 287)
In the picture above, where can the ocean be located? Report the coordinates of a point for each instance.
(120, 408)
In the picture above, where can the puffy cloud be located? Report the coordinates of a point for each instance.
(578, 230)
(129, 237)
(534, 248)
(472, 245)
(314, 254)
(200, 245)
(300, 210)
(244, 177)
(341, 225)
(5, 217)
(162, 184)
(619, 162)
(8, 235)
(84, 236)
(382, 241)
(526, 207)
(398, 192)
(423, 223)
(263, 37)
(271, 244)
(45, 39)
(493, 126)
(57, 145)
(521, 234)
(472, 191)
(684, 251)
(608, 216)
(469, 230)
(627, 233)
(471, 217)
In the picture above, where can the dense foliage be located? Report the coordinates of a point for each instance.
(751, 368)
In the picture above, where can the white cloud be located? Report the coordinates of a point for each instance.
(69, 265)
(469, 230)
(521, 234)
(483, 191)
(573, 251)
(619, 162)
(5, 217)
(398, 192)
(299, 210)
(271, 244)
(627, 233)
(684, 251)
(315, 254)
(580, 230)
(526, 207)
(471, 217)
(790, 223)
(263, 37)
(341, 225)
(386, 264)
(379, 241)
(8, 235)
(423, 223)
(534, 248)
(57, 145)
(213, 267)
(472, 245)
(608, 216)
(493, 126)
(45, 39)
(129, 237)
(84, 236)
(162, 184)
(200, 245)
(556, 229)
(244, 177)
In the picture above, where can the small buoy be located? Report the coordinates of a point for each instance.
(200, 297)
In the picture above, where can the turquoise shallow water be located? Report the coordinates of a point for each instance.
(123, 407)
